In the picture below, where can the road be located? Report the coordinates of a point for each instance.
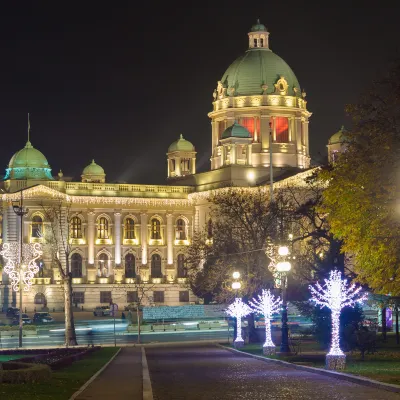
(208, 372)
(102, 332)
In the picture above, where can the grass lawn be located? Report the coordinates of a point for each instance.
(63, 383)
(384, 365)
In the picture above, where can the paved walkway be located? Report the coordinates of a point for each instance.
(122, 379)
(204, 373)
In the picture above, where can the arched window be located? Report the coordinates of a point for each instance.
(76, 265)
(102, 228)
(180, 229)
(156, 266)
(37, 225)
(40, 298)
(181, 266)
(129, 229)
(155, 229)
(103, 265)
(130, 266)
(76, 228)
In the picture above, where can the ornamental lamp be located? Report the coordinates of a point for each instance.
(283, 250)
(236, 275)
(236, 285)
(283, 266)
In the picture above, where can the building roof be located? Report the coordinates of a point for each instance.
(28, 163)
(181, 145)
(93, 169)
(258, 27)
(235, 130)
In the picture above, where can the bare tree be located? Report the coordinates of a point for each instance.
(58, 215)
(143, 295)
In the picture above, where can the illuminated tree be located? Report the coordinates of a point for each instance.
(336, 295)
(267, 304)
(238, 310)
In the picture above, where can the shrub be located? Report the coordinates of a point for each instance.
(17, 372)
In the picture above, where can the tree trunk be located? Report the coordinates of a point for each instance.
(70, 335)
(138, 323)
(383, 319)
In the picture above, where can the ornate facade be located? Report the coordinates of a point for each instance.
(120, 233)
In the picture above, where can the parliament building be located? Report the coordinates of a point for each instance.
(118, 232)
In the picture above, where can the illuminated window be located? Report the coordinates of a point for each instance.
(130, 266)
(37, 225)
(129, 229)
(76, 265)
(181, 266)
(76, 228)
(262, 42)
(156, 266)
(248, 123)
(180, 229)
(282, 129)
(155, 229)
(102, 228)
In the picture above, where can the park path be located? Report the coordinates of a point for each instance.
(206, 372)
(122, 379)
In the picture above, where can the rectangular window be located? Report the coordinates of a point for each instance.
(78, 298)
(248, 123)
(184, 296)
(221, 128)
(258, 135)
(105, 297)
(282, 129)
(158, 296)
(132, 297)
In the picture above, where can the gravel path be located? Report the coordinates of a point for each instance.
(207, 372)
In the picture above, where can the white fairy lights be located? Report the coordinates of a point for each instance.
(336, 295)
(28, 268)
(238, 310)
(267, 304)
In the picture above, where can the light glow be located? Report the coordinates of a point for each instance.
(238, 310)
(335, 295)
(236, 275)
(283, 250)
(267, 304)
(283, 266)
(30, 253)
(236, 285)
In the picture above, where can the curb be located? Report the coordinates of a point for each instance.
(337, 375)
(147, 389)
(85, 385)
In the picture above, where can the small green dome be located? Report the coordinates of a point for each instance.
(28, 163)
(236, 130)
(339, 137)
(181, 145)
(258, 27)
(93, 169)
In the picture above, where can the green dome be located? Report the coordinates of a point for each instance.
(258, 27)
(339, 137)
(28, 163)
(181, 145)
(236, 130)
(93, 169)
(256, 68)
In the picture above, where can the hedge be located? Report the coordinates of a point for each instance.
(16, 328)
(18, 372)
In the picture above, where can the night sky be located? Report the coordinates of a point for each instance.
(119, 83)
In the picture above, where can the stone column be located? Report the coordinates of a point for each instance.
(193, 165)
(170, 239)
(117, 233)
(90, 236)
(143, 231)
(305, 126)
(264, 131)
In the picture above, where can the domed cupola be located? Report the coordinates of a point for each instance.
(260, 92)
(28, 163)
(337, 144)
(181, 158)
(93, 173)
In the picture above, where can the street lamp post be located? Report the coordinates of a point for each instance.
(236, 285)
(20, 211)
(283, 267)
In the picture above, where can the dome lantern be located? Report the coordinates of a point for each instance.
(181, 158)
(258, 36)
